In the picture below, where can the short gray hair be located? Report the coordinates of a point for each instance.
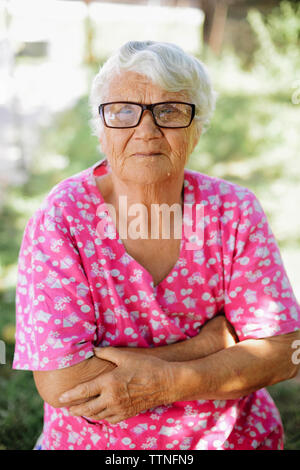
(167, 66)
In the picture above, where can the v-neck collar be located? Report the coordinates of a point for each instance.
(105, 164)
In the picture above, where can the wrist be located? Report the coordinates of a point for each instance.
(187, 381)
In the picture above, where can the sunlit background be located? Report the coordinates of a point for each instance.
(49, 52)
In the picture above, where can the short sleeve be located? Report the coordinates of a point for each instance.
(55, 315)
(259, 300)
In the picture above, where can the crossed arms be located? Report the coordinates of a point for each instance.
(118, 383)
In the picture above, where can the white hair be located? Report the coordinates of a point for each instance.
(167, 66)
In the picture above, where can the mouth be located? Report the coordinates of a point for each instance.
(149, 154)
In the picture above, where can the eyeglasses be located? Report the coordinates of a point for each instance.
(126, 114)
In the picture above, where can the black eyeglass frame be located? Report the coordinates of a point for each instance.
(148, 107)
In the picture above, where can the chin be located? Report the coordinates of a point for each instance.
(147, 176)
(145, 171)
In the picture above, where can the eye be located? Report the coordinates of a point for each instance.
(167, 110)
(121, 113)
(126, 110)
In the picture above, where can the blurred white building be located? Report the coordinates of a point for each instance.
(43, 44)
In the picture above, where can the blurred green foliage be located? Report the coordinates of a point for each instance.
(253, 140)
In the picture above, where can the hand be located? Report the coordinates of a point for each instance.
(139, 382)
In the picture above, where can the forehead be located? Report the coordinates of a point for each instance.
(131, 86)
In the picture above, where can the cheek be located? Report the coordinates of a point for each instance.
(114, 143)
(180, 144)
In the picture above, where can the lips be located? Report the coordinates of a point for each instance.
(147, 154)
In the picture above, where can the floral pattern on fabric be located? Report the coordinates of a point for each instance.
(76, 291)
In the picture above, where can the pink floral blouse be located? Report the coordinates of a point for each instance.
(76, 291)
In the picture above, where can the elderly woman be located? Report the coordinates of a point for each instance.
(154, 342)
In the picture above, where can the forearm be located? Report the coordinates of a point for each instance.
(51, 384)
(237, 371)
(187, 350)
(140, 382)
(216, 335)
(193, 348)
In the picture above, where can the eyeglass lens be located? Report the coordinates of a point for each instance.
(166, 114)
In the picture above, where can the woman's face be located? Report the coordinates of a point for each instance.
(124, 148)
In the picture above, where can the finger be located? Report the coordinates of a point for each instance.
(111, 354)
(85, 390)
(110, 418)
(90, 408)
(105, 414)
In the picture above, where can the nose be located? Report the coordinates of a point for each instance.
(147, 127)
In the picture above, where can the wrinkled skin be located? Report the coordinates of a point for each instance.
(139, 382)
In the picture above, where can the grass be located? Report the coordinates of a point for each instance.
(21, 411)
(286, 395)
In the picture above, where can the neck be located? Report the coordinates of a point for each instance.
(133, 201)
(168, 192)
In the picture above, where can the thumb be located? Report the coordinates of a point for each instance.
(110, 354)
